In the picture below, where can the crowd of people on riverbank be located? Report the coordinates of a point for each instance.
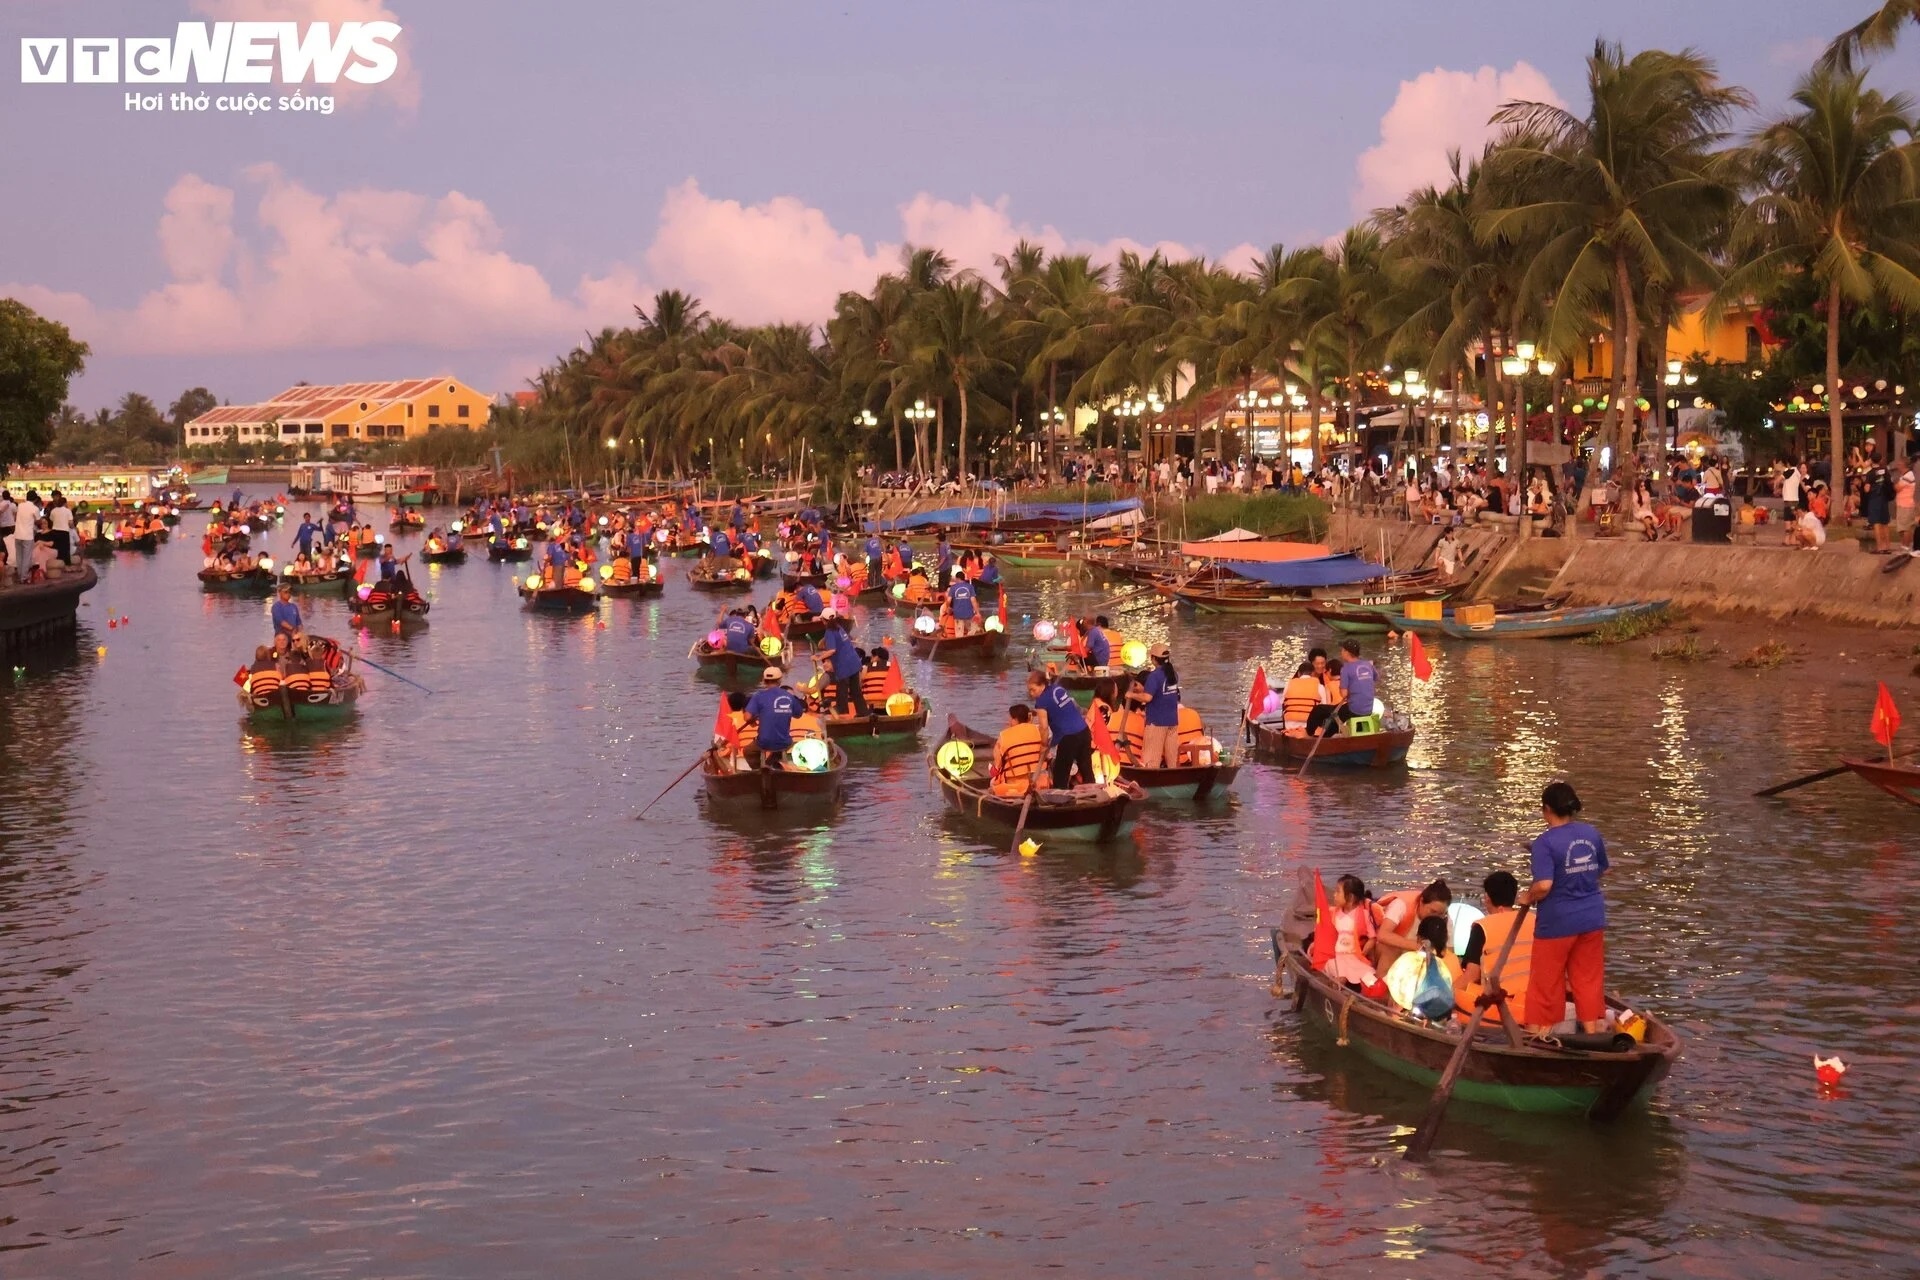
(35, 535)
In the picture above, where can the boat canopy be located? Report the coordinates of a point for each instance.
(1071, 513)
(1324, 571)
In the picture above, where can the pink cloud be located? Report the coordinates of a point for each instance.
(1433, 113)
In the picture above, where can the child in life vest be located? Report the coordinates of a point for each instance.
(1353, 934)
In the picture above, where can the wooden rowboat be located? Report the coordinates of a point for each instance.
(775, 788)
(308, 581)
(726, 665)
(1599, 1083)
(794, 581)
(634, 588)
(981, 646)
(148, 542)
(1184, 782)
(558, 599)
(1379, 750)
(447, 555)
(718, 581)
(408, 520)
(341, 702)
(1898, 780)
(1555, 624)
(513, 551)
(878, 724)
(1084, 813)
(247, 582)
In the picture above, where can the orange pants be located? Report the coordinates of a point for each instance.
(1579, 963)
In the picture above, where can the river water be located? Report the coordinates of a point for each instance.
(415, 996)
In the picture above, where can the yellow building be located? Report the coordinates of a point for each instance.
(347, 412)
(1740, 337)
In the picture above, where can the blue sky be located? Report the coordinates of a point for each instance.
(536, 169)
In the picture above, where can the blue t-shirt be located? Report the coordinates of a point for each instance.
(739, 635)
(873, 548)
(636, 544)
(1063, 713)
(960, 598)
(1099, 648)
(739, 518)
(750, 540)
(304, 535)
(774, 709)
(945, 559)
(846, 654)
(1357, 678)
(385, 567)
(1571, 855)
(286, 614)
(1163, 699)
(810, 597)
(721, 546)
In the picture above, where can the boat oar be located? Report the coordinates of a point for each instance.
(698, 761)
(1821, 776)
(1422, 1139)
(1312, 751)
(366, 662)
(1021, 825)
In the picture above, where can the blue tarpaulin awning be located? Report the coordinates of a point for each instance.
(1323, 571)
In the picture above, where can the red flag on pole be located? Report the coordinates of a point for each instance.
(723, 726)
(1417, 654)
(1076, 643)
(892, 682)
(1003, 608)
(1886, 718)
(1258, 698)
(770, 619)
(1323, 930)
(240, 677)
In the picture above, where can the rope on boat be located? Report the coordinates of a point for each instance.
(1346, 1007)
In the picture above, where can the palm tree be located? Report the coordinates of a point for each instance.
(959, 339)
(1073, 322)
(1837, 194)
(1878, 32)
(1606, 196)
(1344, 304)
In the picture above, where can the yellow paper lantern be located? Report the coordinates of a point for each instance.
(1134, 654)
(533, 582)
(770, 645)
(955, 759)
(1029, 847)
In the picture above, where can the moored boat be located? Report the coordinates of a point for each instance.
(1186, 781)
(717, 660)
(1379, 749)
(1093, 813)
(509, 550)
(1898, 780)
(788, 787)
(1555, 624)
(1600, 1083)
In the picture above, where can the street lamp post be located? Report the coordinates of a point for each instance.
(920, 415)
(1524, 362)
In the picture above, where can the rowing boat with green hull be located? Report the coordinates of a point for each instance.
(1598, 1082)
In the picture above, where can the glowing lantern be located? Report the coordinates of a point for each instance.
(1045, 631)
(955, 759)
(715, 639)
(901, 704)
(587, 584)
(1826, 1070)
(925, 625)
(899, 591)
(364, 590)
(992, 623)
(379, 537)
(266, 562)
(740, 575)
(1133, 654)
(770, 646)
(843, 583)
(1029, 847)
(606, 572)
(533, 582)
(810, 755)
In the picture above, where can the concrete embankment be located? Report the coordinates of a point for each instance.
(1838, 583)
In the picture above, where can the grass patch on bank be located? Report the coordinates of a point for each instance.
(1765, 656)
(1286, 516)
(1633, 626)
(1685, 648)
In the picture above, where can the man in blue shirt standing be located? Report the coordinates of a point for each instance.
(556, 561)
(809, 596)
(961, 604)
(1160, 690)
(943, 560)
(286, 615)
(1570, 921)
(1061, 720)
(843, 666)
(771, 712)
(875, 570)
(722, 548)
(304, 535)
(1099, 648)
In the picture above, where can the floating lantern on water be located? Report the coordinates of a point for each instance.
(101, 651)
(1826, 1070)
(1044, 631)
(1029, 847)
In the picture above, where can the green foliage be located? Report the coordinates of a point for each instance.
(1275, 515)
(1633, 626)
(38, 359)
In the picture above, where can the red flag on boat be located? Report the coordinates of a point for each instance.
(240, 677)
(1076, 643)
(1417, 654)
(1258, 698)
(1323, 930)
(723, 726)
(892, 682)
(770, 619)
(1886, 718)
(1003, 609)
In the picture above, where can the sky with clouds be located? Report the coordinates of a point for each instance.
(534, 171)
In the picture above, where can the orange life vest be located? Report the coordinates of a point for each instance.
(1193, 733)
(1020, 749)
(1496, 925)
(1129, 729)
(1298, 700)
(1409, 896)
(809, 725)
(622, 569)
(873, 688)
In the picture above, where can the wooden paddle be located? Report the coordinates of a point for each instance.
(1021, 825)
(1312, 751)
(1422, 1140)
(1821, 776)
(676, 782)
